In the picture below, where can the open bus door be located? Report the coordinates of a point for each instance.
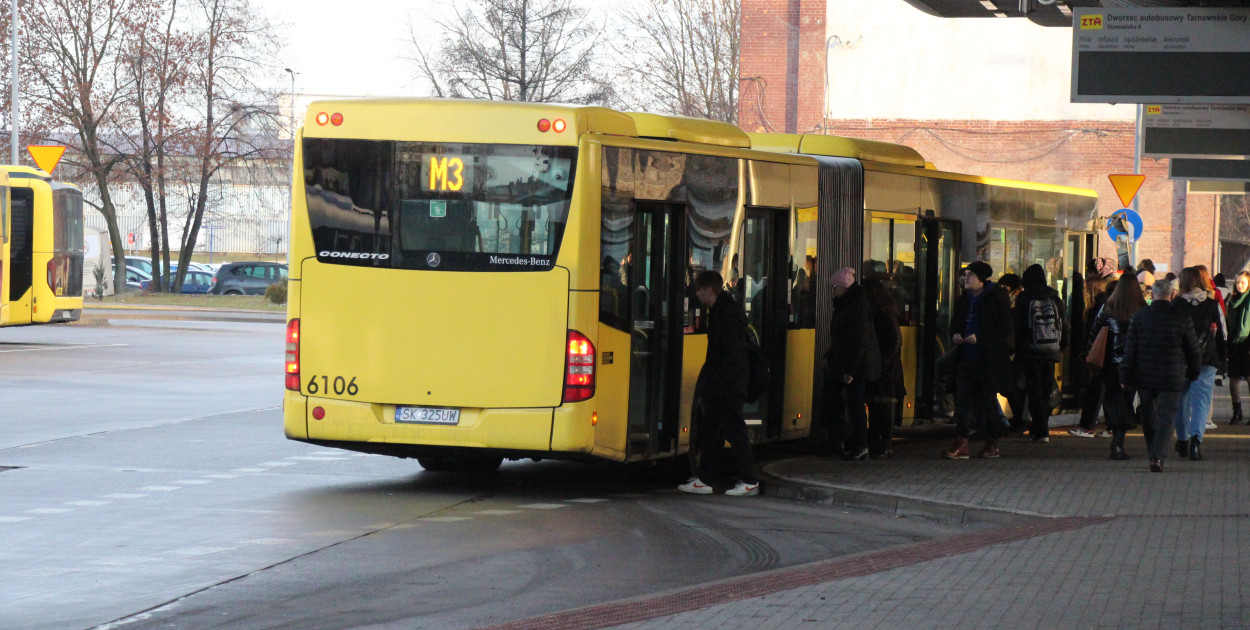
(937, 254)
(21, 255)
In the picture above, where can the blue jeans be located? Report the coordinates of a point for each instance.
(1191, 418)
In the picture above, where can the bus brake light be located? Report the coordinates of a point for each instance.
(558, 126)
(292, 355)
(579, 368)
(323, 118)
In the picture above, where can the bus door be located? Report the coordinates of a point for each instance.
(937, 255)
(762, 290)
(21, 255)
(656, 291)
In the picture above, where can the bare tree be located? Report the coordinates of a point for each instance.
(236, 117)
(76, 88)
(514, 50)
(681, 57)
(157, 63)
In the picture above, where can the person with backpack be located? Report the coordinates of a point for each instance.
(1196, 303)
(721, 389)
(852, 361)
(1040, 338)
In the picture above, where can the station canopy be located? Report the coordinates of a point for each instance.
(1052, 12)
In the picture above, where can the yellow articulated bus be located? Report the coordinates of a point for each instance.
(44, 249)
(474, 281)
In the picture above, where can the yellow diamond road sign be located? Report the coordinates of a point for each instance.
(46, 157)
(1126, 186)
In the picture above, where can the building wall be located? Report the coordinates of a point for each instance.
(980, 96)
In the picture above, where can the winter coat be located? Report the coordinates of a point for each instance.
(1116, 336)
(725, 370)
(1020, 315)
(853, 345)
(994, 339)
(1205, 313)
(890, 386)
(1239, 317)
(1161, 350)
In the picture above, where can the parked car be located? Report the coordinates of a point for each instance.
(247, 278)
(135, 278)
(195, 282)
(140, 263)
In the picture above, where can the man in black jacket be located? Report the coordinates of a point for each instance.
(721, 389)
(1160, 358)
(852, 361)
(981, 331)
(1040, 338)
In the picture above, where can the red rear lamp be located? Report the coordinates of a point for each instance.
(559, 125)
(544, 125)
(319, 413)
(292, 355)
(579, 368)
(336, 119)
(323, 118)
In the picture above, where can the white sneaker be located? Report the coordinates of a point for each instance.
(1082, 433)
(1104, 434)
(695, 486)
(1210, 425)
(743, 490)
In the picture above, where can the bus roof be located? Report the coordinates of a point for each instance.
(836, 146)
(686, 129)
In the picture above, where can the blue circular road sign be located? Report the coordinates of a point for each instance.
(1133, 218)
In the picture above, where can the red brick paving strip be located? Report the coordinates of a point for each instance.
(747, 587)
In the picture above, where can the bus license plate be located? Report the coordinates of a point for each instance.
(427, 415)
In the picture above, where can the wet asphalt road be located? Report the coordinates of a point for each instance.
(146, 484)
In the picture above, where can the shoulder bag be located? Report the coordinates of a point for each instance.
(1098, 352)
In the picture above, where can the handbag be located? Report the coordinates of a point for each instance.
(1097, 355)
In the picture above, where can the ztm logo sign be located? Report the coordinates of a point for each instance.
(1091, 22)
(1154, 110)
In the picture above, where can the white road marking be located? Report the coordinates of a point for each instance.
(221, 476)
(87, 503)
(124, 495)
(497, 512)
(543, 506)
(270, 541)
(202, 551)
(48, 511)
(273, 464)
(585, 500)
(446, 519)
(160, 488)
(121, 561)
(249, 470)
(191, 482)
(14, 519)
(316, 458)
(90, 345)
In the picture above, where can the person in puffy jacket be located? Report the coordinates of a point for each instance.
(1204, 312)
(1114, 316)
(1040, 329)
(980, 328)
(885, 394)
(852, 361)
(1160, 359)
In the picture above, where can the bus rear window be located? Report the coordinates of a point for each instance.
(67, 225)
(437, 206)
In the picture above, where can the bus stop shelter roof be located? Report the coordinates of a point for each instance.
(1057, 13)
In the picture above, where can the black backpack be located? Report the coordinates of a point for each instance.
(758, 374)
(1045, 326)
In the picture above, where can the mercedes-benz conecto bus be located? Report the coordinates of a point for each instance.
(472, 281)
(44, 249)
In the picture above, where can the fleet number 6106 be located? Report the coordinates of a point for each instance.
(339, 385)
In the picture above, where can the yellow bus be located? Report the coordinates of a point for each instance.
(45, 249)
(475, 281)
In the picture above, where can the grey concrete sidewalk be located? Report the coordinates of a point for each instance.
(1059, 536)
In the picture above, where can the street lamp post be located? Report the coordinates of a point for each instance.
(291, 190)
(13, 125)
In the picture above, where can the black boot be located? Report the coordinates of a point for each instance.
(1236, 419)
(1117, 446)
(1195, 452)
(1182, 447)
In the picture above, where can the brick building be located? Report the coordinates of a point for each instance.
(981, 96)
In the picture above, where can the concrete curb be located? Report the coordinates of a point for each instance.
(163, 307)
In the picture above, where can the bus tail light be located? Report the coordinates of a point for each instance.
(52, 274)
(292, 355)
(579, 368)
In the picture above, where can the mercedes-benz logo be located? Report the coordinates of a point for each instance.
(432, 259)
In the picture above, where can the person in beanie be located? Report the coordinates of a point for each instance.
(1160, 360)
(1040, 327)
(981, 331)
(852, 361)
(721, 389)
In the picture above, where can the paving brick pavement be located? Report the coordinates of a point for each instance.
(1086, 542)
